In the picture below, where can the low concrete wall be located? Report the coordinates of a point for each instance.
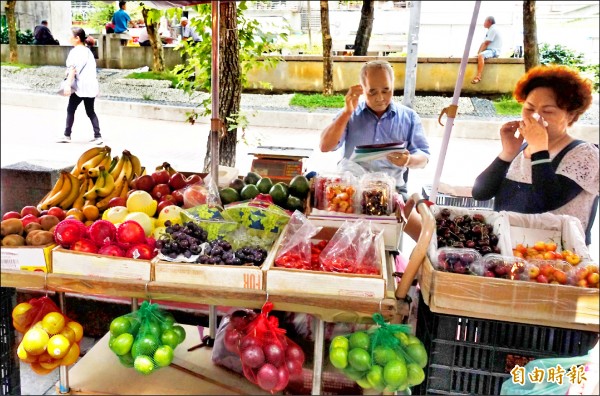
(302, 73)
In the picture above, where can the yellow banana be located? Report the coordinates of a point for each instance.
(85, 157)
(70, 198)
(116, 192)
(116, 170)
(125, 189)
(127, 169)
(109, 183)
(90, 189)
(95, 171)
(97, 160)
(113, 163)
(64, 191)
(135, 161)
(78, 204)
(143, 170)
(57, 187)
(91, 192)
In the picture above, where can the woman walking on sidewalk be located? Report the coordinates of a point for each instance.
(81, 68)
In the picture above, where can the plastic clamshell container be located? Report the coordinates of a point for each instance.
(499, 266)
(456, 260)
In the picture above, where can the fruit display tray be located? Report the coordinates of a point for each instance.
(27, 258)
(510, 300)
(90, 264)
(475, 356)
(292, 281)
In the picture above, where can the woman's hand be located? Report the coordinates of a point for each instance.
(511, 144)
(67, 91)
(352, 98)
(535, 133)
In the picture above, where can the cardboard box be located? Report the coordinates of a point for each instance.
(78, 263)
(27, 258)
(292, 281)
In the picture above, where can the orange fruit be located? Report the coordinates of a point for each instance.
(69, 334)
(47, 361)
(78, 329)
(53, 322)
(24, 356)
(71, 356)
(38, 369)
(88, 223)
(21, 315)
(91, 212)
(35, 341)
(19, 328)
(58, 346)
(78, 214)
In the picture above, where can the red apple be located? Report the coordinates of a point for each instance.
(28, 219)
(193, 179)
(161, 177)
(145, 182)
(178, 195)
(117, 201)
(111, 250)
(58, 212)
(84, 245)
(168, 197)
(177, 181)
(593, 278)
(160, 190)
(11, 215)
(163, 204)
(195, 195)
(30, 210)
(534, 272)
(140, 251)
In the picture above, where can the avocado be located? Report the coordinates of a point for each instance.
(249, 191)
(279, 194)
(229, 195)
(251, 178)
(237, 185)
(264, 185)
(294, 203)
(299, 186)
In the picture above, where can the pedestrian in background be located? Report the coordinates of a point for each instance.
(81, 68)
(42, 35)
(188, 31)
(490, 48)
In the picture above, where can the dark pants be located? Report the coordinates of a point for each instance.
(145, 43)
(74, 102)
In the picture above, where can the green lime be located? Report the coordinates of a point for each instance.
(359, 359)
(126, 360)
(375, 377)
(339, 342)
(170, 337)
(403, 337)
(359, 339)
(180, 332)
(122, 344)
(352, 373)
(364, 383)
(418, 354)
(163, 356)
(152, 327)
(413, 340)
(394, 373)
(383, 354)
(415, 374)
(339, 357)
(119, 326)
(167, 322)
(135, 325)
(143, 364)
(145, 345)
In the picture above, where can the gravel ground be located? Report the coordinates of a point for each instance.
(114, 86)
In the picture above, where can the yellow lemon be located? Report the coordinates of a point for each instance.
(24, 356)
(69, 334)
(35, 341)
(21, 315)
(53, 322)
(48, 362)
(78, 329)
(71, 356)
(58, 346)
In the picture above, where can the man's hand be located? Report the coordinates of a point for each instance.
(399, 158)
(352, 98)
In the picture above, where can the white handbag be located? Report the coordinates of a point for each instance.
(63, 83)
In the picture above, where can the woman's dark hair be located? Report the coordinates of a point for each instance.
(573, 92)
(88, 41)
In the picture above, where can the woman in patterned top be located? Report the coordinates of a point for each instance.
(552, 171)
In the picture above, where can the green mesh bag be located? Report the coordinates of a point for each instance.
(386, 357)
(216, 223)
(145, 339)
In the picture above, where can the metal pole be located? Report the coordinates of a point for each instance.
(450, 119)
(309, 29)
(134, 304)
(318, 359)
(410, 78)
(215, 127)
(63, 373)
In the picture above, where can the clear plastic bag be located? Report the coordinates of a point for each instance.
(295, 247)
(376, 194)
(201, 194)
(50, 338)
(145, 339)
(260, 215)
(353, 249)
(269, 358)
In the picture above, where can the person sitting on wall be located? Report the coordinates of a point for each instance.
(42, 35)
(144, 40)
(121, 21)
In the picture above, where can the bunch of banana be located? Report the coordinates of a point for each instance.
(135, 161)
(166, 166)
(121, 188)
(92, 159)
(63, 194)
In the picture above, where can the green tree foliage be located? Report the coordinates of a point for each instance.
(102, 14)
(560, 55)
(195, 73)
(23, 38)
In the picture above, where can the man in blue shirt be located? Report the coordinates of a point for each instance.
(376, 119)
(121, 18)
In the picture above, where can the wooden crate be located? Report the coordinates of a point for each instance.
(27, 258)
(292, 281)
(78, 263)
(510, 300)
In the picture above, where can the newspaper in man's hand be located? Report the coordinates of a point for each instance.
(370, 152)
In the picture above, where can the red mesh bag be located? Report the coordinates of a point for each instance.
(50, 338)
(269, 358)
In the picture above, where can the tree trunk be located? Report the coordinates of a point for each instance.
(230, 83)
(158, 56)
(531, 53)
(327, 59)
(12, 31)
(363, 34)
